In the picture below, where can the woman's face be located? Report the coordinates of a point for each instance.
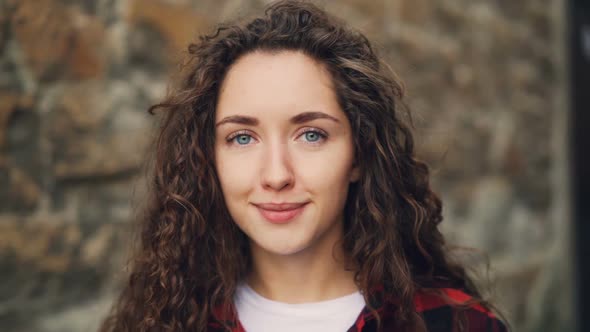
(283, 152)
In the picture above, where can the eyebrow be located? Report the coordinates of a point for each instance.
(297, 119)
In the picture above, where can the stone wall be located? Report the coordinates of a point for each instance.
(485, 80)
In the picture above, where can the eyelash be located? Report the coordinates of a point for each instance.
(323, 135)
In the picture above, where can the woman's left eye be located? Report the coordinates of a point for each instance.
(314, 135)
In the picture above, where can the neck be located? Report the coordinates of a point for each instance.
(317, 273)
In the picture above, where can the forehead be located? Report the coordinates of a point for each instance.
(283, 82)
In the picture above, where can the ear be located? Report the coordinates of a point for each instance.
(355, 174)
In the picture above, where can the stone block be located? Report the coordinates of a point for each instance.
(58, 41)
(20, 179)
(96, 130)
(156, 23)
(49, 264)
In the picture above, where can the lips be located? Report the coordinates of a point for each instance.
(280, 213)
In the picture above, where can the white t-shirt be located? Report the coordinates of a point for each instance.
(259, 314)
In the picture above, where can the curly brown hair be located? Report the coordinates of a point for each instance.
(193, 256)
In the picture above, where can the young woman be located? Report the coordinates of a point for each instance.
(287, 196)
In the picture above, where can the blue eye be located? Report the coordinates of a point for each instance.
(312, 136)
(243, 139)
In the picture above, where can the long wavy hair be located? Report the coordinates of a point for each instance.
(191, 254)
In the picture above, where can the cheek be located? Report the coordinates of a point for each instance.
(235, 174)
(326, 171)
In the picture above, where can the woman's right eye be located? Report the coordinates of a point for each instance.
(243, 139)
(240, 139)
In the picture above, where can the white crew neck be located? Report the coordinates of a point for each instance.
(259, 314)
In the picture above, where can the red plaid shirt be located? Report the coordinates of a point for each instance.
(437, 313)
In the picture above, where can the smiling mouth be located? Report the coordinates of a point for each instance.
(280, 213)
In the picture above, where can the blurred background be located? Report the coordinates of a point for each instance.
(488, 83)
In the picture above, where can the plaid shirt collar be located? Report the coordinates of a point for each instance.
(437, 309)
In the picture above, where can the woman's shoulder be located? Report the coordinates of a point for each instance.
(445, 308)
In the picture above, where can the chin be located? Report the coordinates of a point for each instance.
(283, 248)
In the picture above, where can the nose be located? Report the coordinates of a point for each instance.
(277, 173)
